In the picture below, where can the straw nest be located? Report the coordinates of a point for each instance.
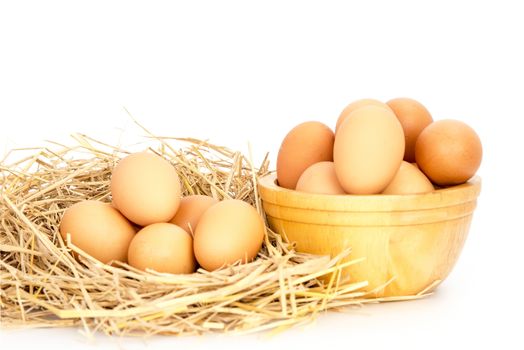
(43, 285)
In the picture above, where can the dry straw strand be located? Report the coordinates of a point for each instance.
(42, 285)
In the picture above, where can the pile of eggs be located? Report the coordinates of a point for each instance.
(151, 226)
(388, 148)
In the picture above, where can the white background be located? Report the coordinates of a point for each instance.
(239, 71)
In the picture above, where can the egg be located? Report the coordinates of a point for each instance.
(449, 152)
(320, 178)
(306, 144)
(409, 180)
(162, 247)
(145, 188)
(356, 105)
(190, 210)
(229, 231)
(98, 229)
(413, 117)
(368, 150)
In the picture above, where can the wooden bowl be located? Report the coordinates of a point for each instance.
(416, 239)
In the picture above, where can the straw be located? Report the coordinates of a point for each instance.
(43, 285)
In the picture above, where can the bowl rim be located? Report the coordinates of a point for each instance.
(443, 197)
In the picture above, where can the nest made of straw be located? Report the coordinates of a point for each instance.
(43, 285)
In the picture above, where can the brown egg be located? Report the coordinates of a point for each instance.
(320, 178)
(369, 148)
(409, 180)
(356, 105)
(98, 229)
(306, 144)
(449, 152)
(229, 231)
(190, 210)
(413, 117)
(146, 188)
(162, 247)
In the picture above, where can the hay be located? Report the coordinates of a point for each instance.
(42, 285)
